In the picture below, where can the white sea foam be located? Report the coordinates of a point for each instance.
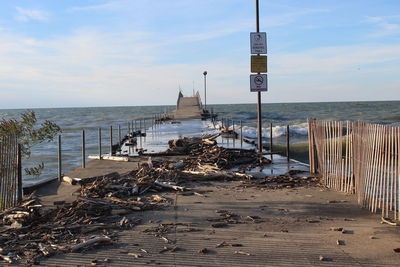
(277, 131)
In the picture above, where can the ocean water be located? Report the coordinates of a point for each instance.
(73, 120)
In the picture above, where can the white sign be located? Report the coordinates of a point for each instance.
(258, 83)
(258, 42)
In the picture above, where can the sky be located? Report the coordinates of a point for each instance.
(79, 53)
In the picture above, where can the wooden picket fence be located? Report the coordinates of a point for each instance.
(10, 172)
(359, 158)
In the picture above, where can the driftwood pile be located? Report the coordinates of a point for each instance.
(103, 207)
(206, 152)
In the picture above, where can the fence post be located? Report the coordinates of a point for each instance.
(287, 143)
(19, 174)
(59, 159)
(111, 139)
(99, 143)
(83, 149)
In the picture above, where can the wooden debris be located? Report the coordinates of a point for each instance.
(242, 253)
(389, 221)
(6, 259)
(135, 255)
(91, 242)
(103, 203)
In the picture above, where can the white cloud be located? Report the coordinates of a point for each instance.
(26, 15)
(106, 5)
(385, 26)
(334, 59)
(287, 18)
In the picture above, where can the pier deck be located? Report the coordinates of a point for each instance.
(276, 227)
(293, 228)
(293, 231)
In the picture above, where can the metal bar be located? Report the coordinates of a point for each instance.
(111, 140)
(287, 143)
(129, 127)
(119, 135)
(259, 114)
(270, 139)
(59, 159)
(99, 143)
(83, 149)
(241, 134)
(205, 91)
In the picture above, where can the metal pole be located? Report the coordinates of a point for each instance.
(111, 139)
(241, 134)
(270, 138)
(287, 143)
(99, 143)
(129, 127)
(83, 150)
(205, 90)
(135, 125)
(259, 93)
(59, 159)
(119, 134)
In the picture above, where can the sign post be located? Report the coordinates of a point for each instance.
(258, 82)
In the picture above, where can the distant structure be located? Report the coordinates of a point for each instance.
(190, 108)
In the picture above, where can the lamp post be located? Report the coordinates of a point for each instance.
(205, 90)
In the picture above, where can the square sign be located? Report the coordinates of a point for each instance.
(258, 83)
(258, 64)
(258, 42)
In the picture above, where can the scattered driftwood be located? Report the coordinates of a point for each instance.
(281, 181)
(107, 204)
(389, 221)
(90, 242)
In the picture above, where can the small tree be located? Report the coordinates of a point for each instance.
(29, 134)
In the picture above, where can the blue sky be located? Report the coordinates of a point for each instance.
(131, 52)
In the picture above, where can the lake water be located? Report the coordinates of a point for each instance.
(73, 120)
